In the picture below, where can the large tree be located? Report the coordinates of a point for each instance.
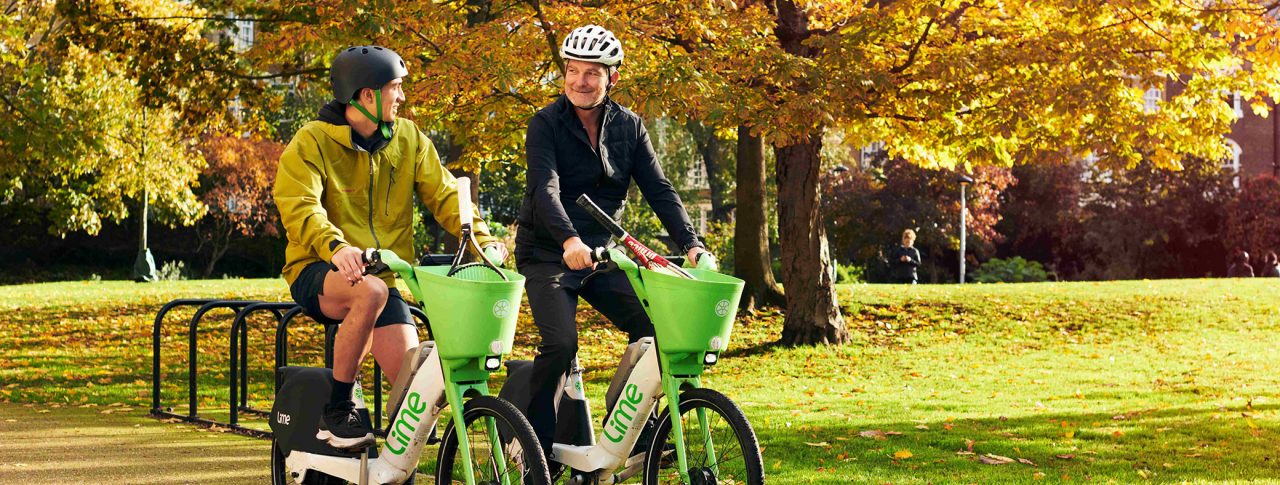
(944, 83)
(102, 101)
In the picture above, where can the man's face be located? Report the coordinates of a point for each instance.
(908, 240)
(585, 83)
(392, 98)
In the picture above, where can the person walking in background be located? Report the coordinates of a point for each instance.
(904, 259)
(1240, 266)
(1271, 268)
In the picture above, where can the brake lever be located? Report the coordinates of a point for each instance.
(373, 262)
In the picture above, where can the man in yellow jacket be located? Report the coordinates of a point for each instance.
(346, 183)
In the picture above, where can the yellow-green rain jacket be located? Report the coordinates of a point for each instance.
(326, 199)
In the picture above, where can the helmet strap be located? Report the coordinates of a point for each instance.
(383, 127)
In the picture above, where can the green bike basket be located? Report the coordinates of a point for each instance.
(687, 314)
(470, 310)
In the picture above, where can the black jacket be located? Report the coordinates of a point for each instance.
(562, 165)
(904, 271)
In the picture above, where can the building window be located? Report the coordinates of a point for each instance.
(1152, 99)
(702, 218)
(872, 153)
(1231, 165)
(242, 36)
(697, 176)
(1237, 102)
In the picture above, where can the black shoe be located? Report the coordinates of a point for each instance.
(342, 428)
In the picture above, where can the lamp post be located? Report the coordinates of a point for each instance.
(964, 180)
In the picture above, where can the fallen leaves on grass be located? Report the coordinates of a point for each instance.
(991, 459)
(903, 454)
(874, 434)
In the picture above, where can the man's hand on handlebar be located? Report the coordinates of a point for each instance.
(577, 255)
(694, 254)
(496, 252)
(350, 262)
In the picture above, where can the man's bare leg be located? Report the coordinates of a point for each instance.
(390, 343)
(357, 306)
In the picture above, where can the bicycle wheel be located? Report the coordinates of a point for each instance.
(520, 458)
(736, 451)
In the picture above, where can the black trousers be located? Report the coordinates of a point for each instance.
(553, 297)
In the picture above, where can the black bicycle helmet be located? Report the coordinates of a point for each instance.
(367, 66)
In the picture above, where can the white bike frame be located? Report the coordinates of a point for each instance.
(415, 414)
(612, 451)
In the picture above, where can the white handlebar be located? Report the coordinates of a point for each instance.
(464, 201)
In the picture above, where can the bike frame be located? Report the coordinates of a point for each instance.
(431, 388)
(612, 449)
(655, 375)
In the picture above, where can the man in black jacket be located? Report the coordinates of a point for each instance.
(584, 143)
(904, 259)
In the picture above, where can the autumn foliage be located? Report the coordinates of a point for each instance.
(1253, 218)
(237, 191)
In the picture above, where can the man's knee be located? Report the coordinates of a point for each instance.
(562, 349)
(372, 291)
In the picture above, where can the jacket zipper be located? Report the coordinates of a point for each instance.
(372, 182)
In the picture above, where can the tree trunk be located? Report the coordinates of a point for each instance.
(813, 315)
(220, 247)
(751, 258)
(709, 148)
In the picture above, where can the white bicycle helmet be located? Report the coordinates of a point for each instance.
(592, 43)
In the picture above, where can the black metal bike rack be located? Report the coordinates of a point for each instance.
(239, 357)
(206, 305)
(239, 352)
(155, 346)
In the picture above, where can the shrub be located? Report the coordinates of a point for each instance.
(1012, 270)
(850, 273)
(172, 271)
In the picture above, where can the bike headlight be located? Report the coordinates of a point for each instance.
(492, 363)
(710, 358)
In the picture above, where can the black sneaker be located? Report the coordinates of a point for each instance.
(342, 428)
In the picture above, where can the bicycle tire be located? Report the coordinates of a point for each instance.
(738, 459)
(514, 431)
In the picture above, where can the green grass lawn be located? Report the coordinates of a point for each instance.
(1166, 381)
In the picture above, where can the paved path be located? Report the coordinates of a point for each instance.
(92, 445)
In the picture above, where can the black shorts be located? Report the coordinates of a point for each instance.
(306, 290)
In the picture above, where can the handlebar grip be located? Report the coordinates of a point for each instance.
(599, 215)
(599, 255)
(464, 200)
(369, 256)
(707, 261)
